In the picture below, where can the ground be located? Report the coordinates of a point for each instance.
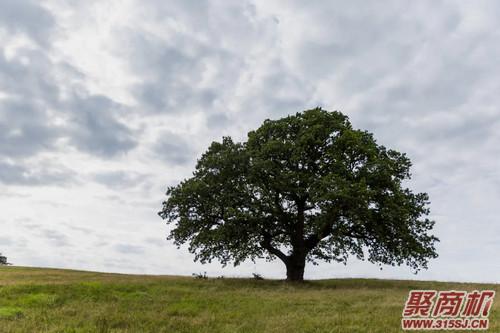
(49, 300)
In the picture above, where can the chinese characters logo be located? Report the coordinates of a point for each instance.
(449, 310)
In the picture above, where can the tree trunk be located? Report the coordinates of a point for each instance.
(295, 268)
(296, 262)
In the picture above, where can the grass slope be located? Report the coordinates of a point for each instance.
(48, 300)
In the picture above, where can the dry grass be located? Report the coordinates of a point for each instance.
(48, 300)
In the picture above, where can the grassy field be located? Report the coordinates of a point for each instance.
(48, 300)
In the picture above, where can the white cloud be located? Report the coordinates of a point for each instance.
(127, 94)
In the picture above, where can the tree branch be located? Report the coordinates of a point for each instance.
(266, 244)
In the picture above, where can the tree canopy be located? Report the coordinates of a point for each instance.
(3, 260)
(307, 187)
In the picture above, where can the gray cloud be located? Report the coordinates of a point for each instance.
(423, 76)
(27, 17)
(83, 230)
(34, 175)
(56, 238)
(155, 241)
(24, 130)
(91, 124)
(119, 179)
(5, 240)
(24, 123)
(30, 73)
(217, 120)
(129, 249)
(173, 149)
(203, 54)
(170, 73)
(45, 100)
(95, 127)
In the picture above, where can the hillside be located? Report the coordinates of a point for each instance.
(50, 300)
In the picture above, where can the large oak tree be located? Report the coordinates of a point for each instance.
(307, 187)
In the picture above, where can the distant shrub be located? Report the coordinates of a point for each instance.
(257, 276)
(200, 276)
(3, 260)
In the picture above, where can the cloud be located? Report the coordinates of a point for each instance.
(25, 126)
(89, 95)
(119, 179)
(95, 126)
(5, 240)
(173, 149)
(56, 238)
(33, 119)
(155, 241)
(24, 131)
(217, 120)
(27, 17)
(171, 75)
(44, 100)
(34, 175)
(129, 249)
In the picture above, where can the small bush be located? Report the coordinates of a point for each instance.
(3, 260)
(200, 276)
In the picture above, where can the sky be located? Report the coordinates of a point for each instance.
(104, 104)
